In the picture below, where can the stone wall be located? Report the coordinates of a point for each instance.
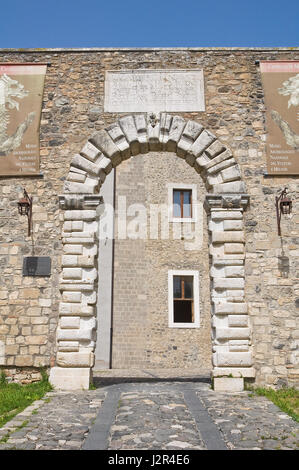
(142, 337)
(72, 112)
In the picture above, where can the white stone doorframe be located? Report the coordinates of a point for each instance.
(225, 203)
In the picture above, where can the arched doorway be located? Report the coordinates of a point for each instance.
(225, 202)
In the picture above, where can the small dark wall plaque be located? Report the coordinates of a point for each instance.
(37, 266)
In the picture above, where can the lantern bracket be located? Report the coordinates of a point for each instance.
(25, 208)
(283, 206)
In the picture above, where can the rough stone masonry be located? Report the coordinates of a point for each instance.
(252, 303)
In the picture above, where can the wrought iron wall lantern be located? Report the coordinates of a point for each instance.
(283, 206)
(25, 208)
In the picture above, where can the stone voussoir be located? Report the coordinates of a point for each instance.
(177, 126)
(120, 140)
(189, 135)
(128, 126)
(90, 151)
(141, 126)
(165, 125)
(90, 186)
(103, 141)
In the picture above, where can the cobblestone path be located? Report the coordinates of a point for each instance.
(151, 416)
(153, 420)
(60, 421)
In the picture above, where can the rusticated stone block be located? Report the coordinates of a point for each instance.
(239, 345)
(76, 177)
(70, 322)
(212, 169)
(80, 215)
(232, 333)
(214, 179)
(90, 186)
(234, 248)
(228, 237)
(68, 346)
(188, 136)
(153, 133)
(224, 214)
(90, 151)
(72, 296)
(246, 372)
(234, 271)
(120, 140)
(228, 283)
(104, 163)
(232, 359)
(165, 125)
(104, 142)
(204, 139)
(90, 167)
(74, 334)
(177, 126)
(141, 126)
(75, 359)
(75, 308)
(223, 307)
(69, 260)
(231, 174)
(70, 378)
(234, 187)
(233, 225)
(127, 124)
(72, 273)
(214, 149)
(223, 156)
(237, 320)
(228, 384)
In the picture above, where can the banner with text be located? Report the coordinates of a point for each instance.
(21, 95)
(281, 88)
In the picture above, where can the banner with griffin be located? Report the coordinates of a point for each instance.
(21, 95)
(281, 88)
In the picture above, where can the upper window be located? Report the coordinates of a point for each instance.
(182, 202)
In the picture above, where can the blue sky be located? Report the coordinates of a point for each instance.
(149, 23)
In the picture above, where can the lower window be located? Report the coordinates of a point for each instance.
(183, 292)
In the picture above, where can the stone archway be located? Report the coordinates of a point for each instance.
(225, 203)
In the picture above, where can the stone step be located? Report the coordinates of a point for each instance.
(150, 375)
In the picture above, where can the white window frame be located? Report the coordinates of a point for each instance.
(195, 274)
(182, 186)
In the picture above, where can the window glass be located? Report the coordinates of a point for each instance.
(188, 287)
(176, 203)
(183, 299)
(182, 205)
(187, 203)
(182, 311)
(177, 288)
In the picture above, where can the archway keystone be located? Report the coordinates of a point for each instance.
(225, 204)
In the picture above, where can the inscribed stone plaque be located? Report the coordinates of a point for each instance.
(154, 90)
(281, 87)
(37, 266)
